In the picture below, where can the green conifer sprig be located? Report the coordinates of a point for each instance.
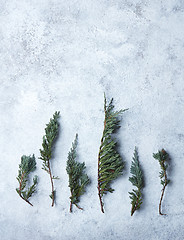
(137, 181)
(28, 165)
(51, 132)
(77, 177)
(162, 157)
(110, 164)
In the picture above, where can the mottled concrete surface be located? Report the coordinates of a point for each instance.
(63, 55)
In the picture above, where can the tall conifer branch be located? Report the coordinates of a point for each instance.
(137, 180)
(78, 180)
(28, 165)
(162, 156)
(110, 164)
(51, 132)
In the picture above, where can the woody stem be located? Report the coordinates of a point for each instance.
(52, 184)
(20, 187)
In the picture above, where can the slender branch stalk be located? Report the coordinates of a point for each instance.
(99, 189)
(101, 203)
(52, 184)
(20, 188)
(26, 200)
(162, 195)
(78, 206)
(70, 206)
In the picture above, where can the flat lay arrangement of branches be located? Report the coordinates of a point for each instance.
(110, 165)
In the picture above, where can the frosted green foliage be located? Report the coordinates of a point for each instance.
(51, 132)
(77, 177)
(162, 157)
(110, 164)
(28, 165)
(137, 181)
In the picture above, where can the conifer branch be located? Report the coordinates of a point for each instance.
(51, 132)
(77, 178)
(136, 180)
(28, 165)
(110, 164)
(162, 156)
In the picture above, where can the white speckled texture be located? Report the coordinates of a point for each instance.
(63, 55)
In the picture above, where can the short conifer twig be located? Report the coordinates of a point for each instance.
(51, 133)
(162, 156)
(137, 180)
(110, 164)
(78, 179)
(28, 165)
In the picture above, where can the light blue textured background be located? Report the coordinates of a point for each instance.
(63, 55)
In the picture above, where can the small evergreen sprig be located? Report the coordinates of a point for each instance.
(137, 181)
(77, 178)
(110, 164)
(28, 165)
(51, 132)
(162, 156)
